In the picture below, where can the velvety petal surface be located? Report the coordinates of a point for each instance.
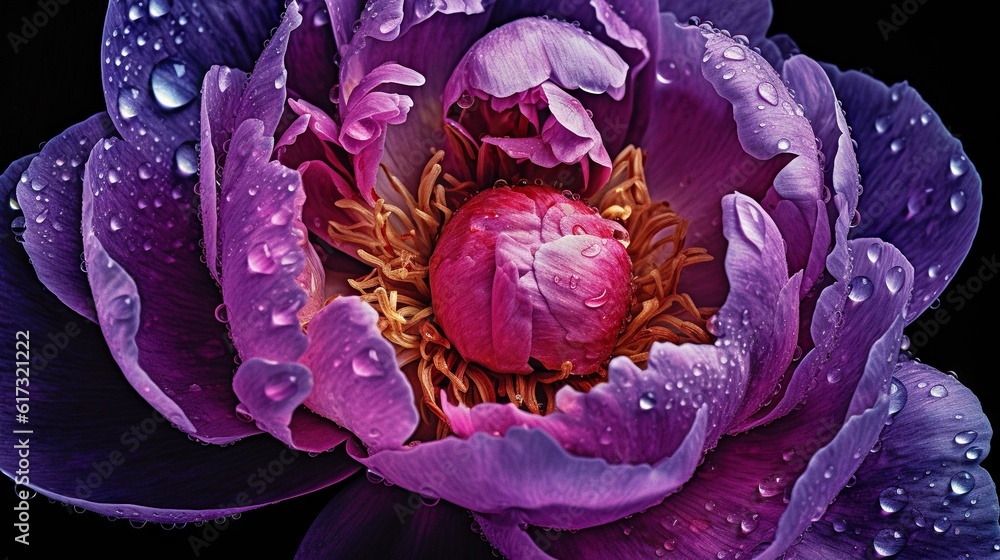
(368, 520)
(921, 192)
(50, 194)
(745, 17)
(155, 300)
(124, 460)
(921, 492)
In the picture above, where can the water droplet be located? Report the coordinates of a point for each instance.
(728, 75)
(767, 92)
(973, 453)
(281, 387)
(222, 313)
(285, 315)
(194, 388)
(647, 401)
(734, 53)
(128, 102)
(894, 278)
(963, 483)
(882, 124)
(855, 219)
(897, 145)
(771, 485)
(597, 300)
(368, 364)
(958, 165)
(667, 72)
(893, 499)
(966, 437)
(374, 477)
(173, 84)
(466, 100)
(860, 289)
(259, 259)
(158, 8)
(942, 525)
(839, 524)
(897, 396)
(957, 201)
(116, 223)
(835, 375)
(888, 542)
(592, 251)
(186, 159)
(243, 413)
(939, 391)
(121, 307)
(874, 252)
(784, 144)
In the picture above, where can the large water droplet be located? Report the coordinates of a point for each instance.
(368, 364)
(128, 102)
(939, 391)
(734, 53)
(259, 259)
(280, 387)
(894, 278)
(897, 396)
(767, 92)
(647, 401)
(973, 453)
(860, 289)
(957, 201)
(784, 144)
(874, 252)
(592, 251)
(963, 483)
(174, 84)
(958, 166)
(882, 124)
(284, 315)
(667, 72)
(941, 525)
(186, 159)
(893, 499)
(466, 100)
(966, 437)
(158, 8)
(888, 542)
(121, 307)
(222, 313)
(597, 300)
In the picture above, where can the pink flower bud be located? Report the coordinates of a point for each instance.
(525, 278)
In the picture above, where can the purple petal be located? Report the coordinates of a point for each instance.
(746, 17)
(50, 195)
(527, 471)
(366, 520)
(155, 299)
(357, 383)
(921, 492)
(153, 72)
(312, 51)
(701, 159)
(123, 460)
(534, 51)
(226, 104)
(921, 193)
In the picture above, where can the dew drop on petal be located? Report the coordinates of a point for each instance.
(893, 499)
(173, 84)
(894, 278)
(368, 364)
(280, 387)
(897, 397)
(767, 92)
(962, 483)
(647, 401)
(939, 391)
(128, 102)
(874, 252)
(186, 160)
(860, 289)
(958, 166)
(888, 542)
(966, 437)
(957, 201)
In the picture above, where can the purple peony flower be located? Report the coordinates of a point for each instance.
(601, 276)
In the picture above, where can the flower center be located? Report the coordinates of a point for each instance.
(509, 293)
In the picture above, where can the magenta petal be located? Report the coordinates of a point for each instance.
(357, 383)
(145, 264)
(921, 490)
(921, 193)
(528, 472)
(50, 193)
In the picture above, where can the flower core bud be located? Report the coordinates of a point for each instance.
(525, 279)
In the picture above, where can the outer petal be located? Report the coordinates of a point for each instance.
(153, 65)
(747, 17)
(921, 492)
(122, 460)
(50, 194)
(921, 193)
(312, 53)
(368, 520)
(155, 299)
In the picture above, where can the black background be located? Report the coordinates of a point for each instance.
(54, 81)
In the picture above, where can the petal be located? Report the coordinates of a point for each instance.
(155, 299)
(357, 383)
(50, 196)
(366, 520)
(923, 480)
(312, 51)
(527, 471)
(921, 193)
(122, 460)
(154, 64)
(226, 104)
(747, 17)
